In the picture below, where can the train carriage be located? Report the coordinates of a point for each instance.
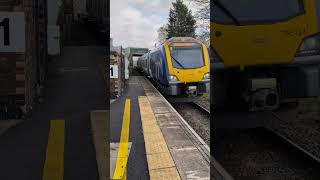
(180, 67)
(143, 64)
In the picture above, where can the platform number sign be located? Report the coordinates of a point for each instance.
(6, 32)
(12, 32)
(113, 71)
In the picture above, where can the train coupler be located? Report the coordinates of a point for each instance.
(263, 95)
(264, 100)
(192, 91)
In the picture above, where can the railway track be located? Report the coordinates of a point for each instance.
(200, 107)
(263, 154)
(280, 157)
(293, 144)
(196, 116)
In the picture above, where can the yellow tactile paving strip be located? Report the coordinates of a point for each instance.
(160, 163)
(100, 136)
(156, 143)
(165, 174)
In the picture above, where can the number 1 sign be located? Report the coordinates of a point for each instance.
(6, 32)
(113, 71)
(12, 32)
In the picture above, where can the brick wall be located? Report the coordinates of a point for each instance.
(117, 85)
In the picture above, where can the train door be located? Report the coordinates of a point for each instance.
(158, 66)
(151, 69)
(148, 64)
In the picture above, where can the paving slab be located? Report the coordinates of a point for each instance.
(164, 174)
(176, 137)
(168, 119)
(190, 163)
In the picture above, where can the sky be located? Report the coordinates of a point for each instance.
(134, 23)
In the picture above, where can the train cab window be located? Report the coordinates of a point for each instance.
(186, 57)
(255, 12)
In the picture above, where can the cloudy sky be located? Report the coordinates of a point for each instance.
(135, 22)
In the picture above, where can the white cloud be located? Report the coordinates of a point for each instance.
(134, 23)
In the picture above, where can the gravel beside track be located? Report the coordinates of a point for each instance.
(302, 125)
(204, 101)
(259, 154)
(197, 119)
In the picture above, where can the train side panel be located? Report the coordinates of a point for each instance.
(158, 67)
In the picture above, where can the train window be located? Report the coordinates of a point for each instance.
(255, 12)
(186, 57)
(158, 56)
(160, 59)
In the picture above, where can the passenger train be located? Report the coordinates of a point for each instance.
(264, 52)
(179, 67)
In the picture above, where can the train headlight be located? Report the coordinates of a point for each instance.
(206, 76)
(310, 46)
(173, 78)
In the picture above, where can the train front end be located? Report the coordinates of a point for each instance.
(188, 67)
(264, 52)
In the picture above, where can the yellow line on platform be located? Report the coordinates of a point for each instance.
(122, 158)
(54, 164)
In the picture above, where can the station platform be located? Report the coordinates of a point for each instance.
(150, 140)
(56, 142)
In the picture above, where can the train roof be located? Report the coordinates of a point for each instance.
(183, 39)
(177, 40)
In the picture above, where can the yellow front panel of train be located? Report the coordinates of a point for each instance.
(263, 44)
(188, 75)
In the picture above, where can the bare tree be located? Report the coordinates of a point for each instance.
(162, 34)
(203, 12)
(202, 15)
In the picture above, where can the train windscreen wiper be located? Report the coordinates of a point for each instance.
(178, 62)
(220, 5)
